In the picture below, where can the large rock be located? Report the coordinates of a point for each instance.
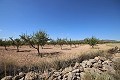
(7, 78)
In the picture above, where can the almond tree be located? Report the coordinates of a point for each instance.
(61, 42)
(5, 43)
(53, 42)
(69, 42)
(91, 41)
(39, 38)
(17, 42)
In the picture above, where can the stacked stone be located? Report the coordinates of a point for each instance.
(98, 65)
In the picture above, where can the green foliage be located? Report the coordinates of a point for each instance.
(53, 42)
(91, 41)
(69, 42)
(5, 43)
(39, 38)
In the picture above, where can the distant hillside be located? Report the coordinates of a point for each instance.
(110, 41)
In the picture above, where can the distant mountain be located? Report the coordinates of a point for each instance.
(109, 40)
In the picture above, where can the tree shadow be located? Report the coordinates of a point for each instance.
(66, 49)
(49, 54)
(47, 48)
(24, 51)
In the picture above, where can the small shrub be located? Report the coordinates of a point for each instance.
(114, 50)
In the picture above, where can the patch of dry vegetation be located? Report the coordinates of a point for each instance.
(66, 58)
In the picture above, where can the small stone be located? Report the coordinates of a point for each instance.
(7, 78)
(74, 78)
(21, 74)
(76, 71)
(99, 62)
(31, 76)
(97, 65)
(93, 60)
(66, 70)
(81, 68)
(78, 78)
(84, 63)
(102, 59)
(60, 77)
(89, 64)
(70, 75)
(97, 58)
(77, 74)
(107, 62)
(22, 78)
(76, 65)
(56, 74)
(17, 77)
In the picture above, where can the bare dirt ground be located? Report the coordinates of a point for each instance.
(28, 56)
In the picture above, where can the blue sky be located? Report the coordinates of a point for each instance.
(76, 19)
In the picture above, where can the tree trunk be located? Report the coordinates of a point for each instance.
(92, 46)
(61, 47)
(17, 48)
(70, 46)
(42, 47)
(39, 54)
(75, 46)
(5, 47)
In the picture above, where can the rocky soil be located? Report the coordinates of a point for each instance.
(97, 65)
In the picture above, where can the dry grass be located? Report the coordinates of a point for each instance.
(113, 44)
(96, 76)
(31, 58)
(66, 58)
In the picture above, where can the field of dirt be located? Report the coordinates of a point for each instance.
(28, 56)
